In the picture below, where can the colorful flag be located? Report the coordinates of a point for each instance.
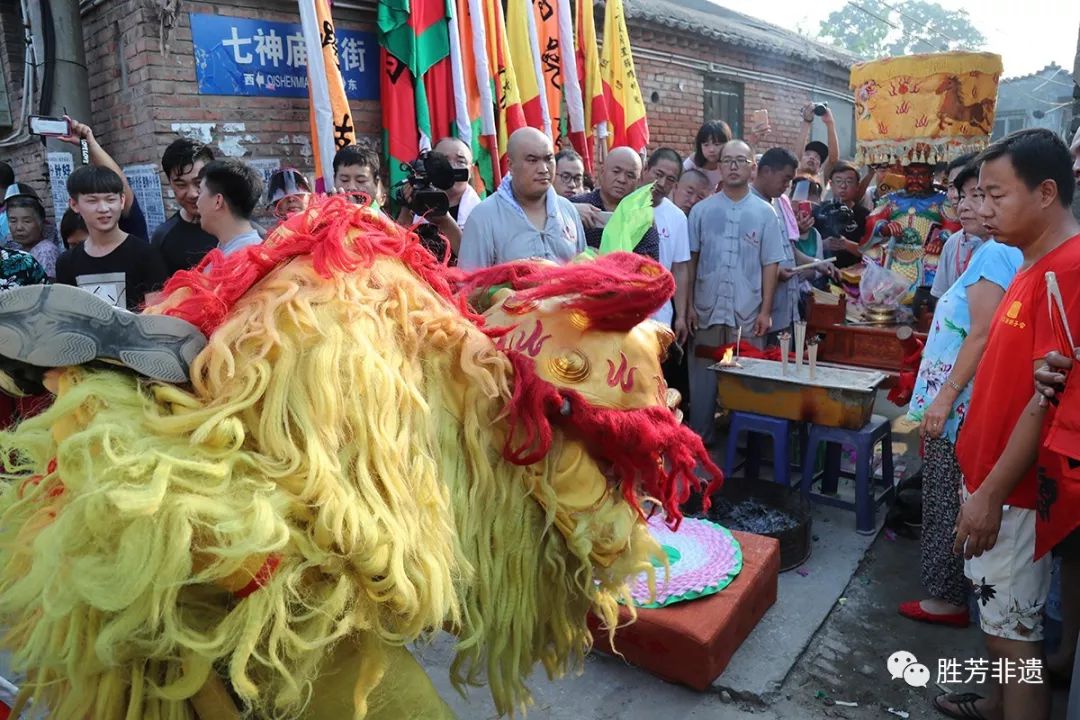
(626, 110)
(504, 83)
(332, 127)
(547, 16)
(416, 82)
(571, 85)
(525, 56)
(468, 52)
(588, 62)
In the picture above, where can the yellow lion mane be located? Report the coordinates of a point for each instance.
(342, 424)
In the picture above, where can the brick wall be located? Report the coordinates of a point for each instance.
(141, 99)
(675, 67)
(28, 158)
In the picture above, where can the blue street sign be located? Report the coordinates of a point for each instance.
(240, 56)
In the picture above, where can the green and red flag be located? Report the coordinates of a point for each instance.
(416, 79)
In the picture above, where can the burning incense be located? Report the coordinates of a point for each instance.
(738, 342)
(1057, 312)
(800, 344)
(812, 351)
(785, 343)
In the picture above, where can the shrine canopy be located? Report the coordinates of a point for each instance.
(924, 108)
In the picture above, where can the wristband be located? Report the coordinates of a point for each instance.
(953, 385)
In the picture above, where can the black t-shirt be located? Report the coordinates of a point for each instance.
(182, 244)
(123, 277)
(649, 245)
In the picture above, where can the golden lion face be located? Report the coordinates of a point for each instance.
(619, 370)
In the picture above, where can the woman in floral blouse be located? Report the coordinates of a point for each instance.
(942, 391)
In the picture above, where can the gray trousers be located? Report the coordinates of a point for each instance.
(703, 381)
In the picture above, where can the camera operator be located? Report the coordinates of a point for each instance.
(842, 221)
(425, 198)
(817, 158)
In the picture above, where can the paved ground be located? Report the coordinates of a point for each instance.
(844, 662)
(817, 659)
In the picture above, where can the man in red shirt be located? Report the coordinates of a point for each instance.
(1028, 183)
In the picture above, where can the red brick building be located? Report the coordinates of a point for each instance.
(695, 61)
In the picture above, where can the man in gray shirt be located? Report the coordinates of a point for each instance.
(775, 170)
(525, 218)
(735, 249)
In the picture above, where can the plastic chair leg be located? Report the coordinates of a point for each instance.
(731, 451)
(831, 479)
(864, 488)
(782, 459)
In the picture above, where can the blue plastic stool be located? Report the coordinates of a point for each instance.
(754, 425)
(877, 430)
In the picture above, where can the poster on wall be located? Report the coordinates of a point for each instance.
(242, 56)
(146, 184)
(61, 164)
(266, 167)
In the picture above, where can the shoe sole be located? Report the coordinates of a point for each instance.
(62, 325)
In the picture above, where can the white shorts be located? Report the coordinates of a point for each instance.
(1010, 587)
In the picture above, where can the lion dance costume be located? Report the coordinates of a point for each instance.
(358, 461)
(915, 112)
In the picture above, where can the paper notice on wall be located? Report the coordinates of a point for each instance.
(61, 164)
(266, 166)
(146, 184)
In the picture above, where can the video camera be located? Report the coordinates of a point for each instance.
(835, 220)
(430, 176)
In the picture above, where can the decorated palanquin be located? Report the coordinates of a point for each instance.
(358, 460)
(915, 112)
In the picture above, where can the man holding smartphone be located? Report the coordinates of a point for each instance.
(132, 220)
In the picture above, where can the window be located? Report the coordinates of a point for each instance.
(1007, 124)
(724, 101)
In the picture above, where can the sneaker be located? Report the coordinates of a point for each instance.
(51, 326)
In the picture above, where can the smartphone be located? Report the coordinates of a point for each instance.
(49, 126)
(759, 118)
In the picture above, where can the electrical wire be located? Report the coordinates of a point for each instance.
(21, 132)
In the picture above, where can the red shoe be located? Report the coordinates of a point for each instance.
(913, 610)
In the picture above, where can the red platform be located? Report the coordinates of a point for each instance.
(692, 642)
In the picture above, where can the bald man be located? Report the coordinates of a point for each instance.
(619, 176)
(525, 218)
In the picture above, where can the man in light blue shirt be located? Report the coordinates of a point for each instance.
(525, 218)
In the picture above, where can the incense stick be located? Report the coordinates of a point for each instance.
(807, 266)
(800, 339)
(738, 342)
(785, 341)
(1053, 297)
(812, 351)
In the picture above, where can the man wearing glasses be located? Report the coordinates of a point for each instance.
(843, 239)
(735, 250)
(569, 173)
